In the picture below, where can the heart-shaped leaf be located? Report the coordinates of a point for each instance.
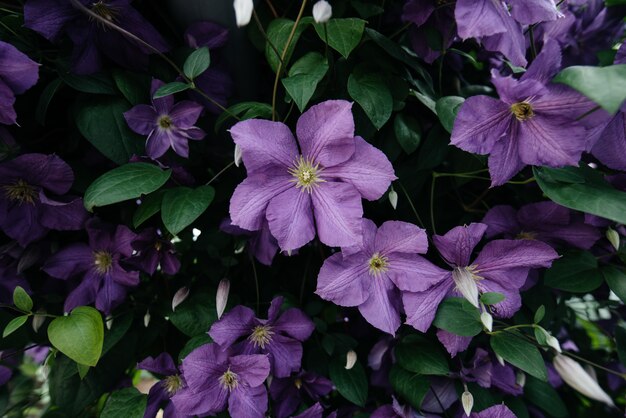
(79, 335)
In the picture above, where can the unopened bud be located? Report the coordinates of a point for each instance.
(238, 154)
(243, 11)
(553, 342)
(146, 319)
(322, 11)
(393, 198)
(591, 371)
(38, 320)
(575, 376)
(520, 379)
(179, 297)
(467, 400)
(487, 320)
(108, 321)
(613, 238)
(350, 359)
(221, 297)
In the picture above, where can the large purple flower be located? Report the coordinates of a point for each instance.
(104, 280)
(215, 378)
(31, 198)
(18, 73)
(91, 38)
(160, 393)
(314, 184)
(502, 266)
(288, 393)
(371, 275)
(280, 335)
(167, 124)
(533, 122)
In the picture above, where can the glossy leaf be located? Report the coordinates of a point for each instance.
(458, 316)
(183, 205)
(520, 353)
(79, 335)
(351, 384)
(576, 271)
(371, 92)
(343, 35)
(197, 62)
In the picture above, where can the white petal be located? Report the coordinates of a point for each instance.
(467, 400)
(146, 319)
(179, 297)
(221, 297)
(350, 359)
(487, 320)
(238, 154)
(465, 284)
(574, 375)
(393, 198)
(243, 11)
(322, 11)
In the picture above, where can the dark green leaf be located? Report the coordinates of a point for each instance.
(170, 88)
(491, 298)
(343, 34)
(79, 335)
(150, 206)
(245, 110)
(408, 132)
(604, 85)
(409, 386)
(82, 370)
(195, 315)
(44, 100)
(576, 271)
(127, 403)
(304, 76)
(418, 355)
(126, 182)
(14, 325)
(520, 353)
(458, 316)
(183, 205)
(278, 33)
(616, 279)
(620, 339)
(447, 108)
(370, 91)
(351, 384)
(541, 311)
(134, 87)
(193, 343)
(367, 10)
(545, 397)
(99, 83)
(21, 299)
(197, 62)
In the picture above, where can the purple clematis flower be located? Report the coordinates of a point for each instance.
(160, 393)
(372, 274)
(395, 410)
(105, 281)
(215, 378)
(429, 16)
(91, 38)
(532, 123)
(289, 392)
(316, 411)
(496, 411)
(154, 251)
(280, 335)
(316, 189)
(31, 198)
(502, 266)
(543, 221)
(18, 73)
(488, 373)
(167, 124)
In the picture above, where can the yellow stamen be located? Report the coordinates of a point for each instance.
(306, 174)
(103, 261)
(229, 380)
(522, 111)
(165, 122)
(378, 264)
(20, 191)
(102, 9)
(172, 384)
(261, 335)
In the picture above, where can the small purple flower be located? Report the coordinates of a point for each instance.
(91, 38)
(160, 393)
(288, 393)
(154, 251)
(104, 280)
(31, 198)
(18, 73)
(502, 266)
(280, 335)
(372, 274)
(215, 379)
(167, 124)
(316, 189)
(543, 221)
(496, 411)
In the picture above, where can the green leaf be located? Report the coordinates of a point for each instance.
(541, 312)
(134, 87)
(304, 76)
(409, 386)
(245, 110)
(370, 91)
(79, 335)
(447, 108)
(576, 271)
(44, 100)
(82, 370)
(127, 403)
(14, 325)
(351, 384)
(99, 83)
(183, 205)
(101, 121)
(193, 343)
(21, 299)
(458, 316)
(343, 34)
(150, 206)
(545, 397)
(126, 182)
(367, 10)
(620, 339)
(197, 62)
(418, 355)
(170, 88)
(195, 315)
(519, 353)
(604, 85)
(278, 33)
(491, 298)
(408, 132)
(616, 279)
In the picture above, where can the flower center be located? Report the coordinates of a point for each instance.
(298, 383)
(306, 174)
(527, 235)
(21, 192)
(103, 260)
(172, 384)
(377, 264)
(522, 111)
(261, 335)
(104, 10)
(229, 380)
(165, 122)
(465, 279)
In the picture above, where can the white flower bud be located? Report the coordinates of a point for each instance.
(592, 372)
(467, 400)
(393, 198)
(322, 11)
(487, 320)
(146, 319)
(613, 238)
(350, 359)
(179, 297)
(108, 321)
(221, 297)
(238, 154)
(520, 379)
(575, 376)
(38, 320)
(243, 11)
(553, 342)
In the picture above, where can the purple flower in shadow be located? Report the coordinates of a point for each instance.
(261, 244)
(152, 251)
(288, 393)
(280, 335)
(160, 393)
(487, 373)
(18, 73)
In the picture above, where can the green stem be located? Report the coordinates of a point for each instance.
(408, 198)
(262, 30)
(221, 172)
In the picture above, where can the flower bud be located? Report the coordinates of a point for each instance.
(393, 198)
(238, 155)
(108, 321)
(38, 320)
(322, 11)
(520, 379)
(221, 297)
(146, 319)
(575, 376)
(243, 11)
(350, 359)
(487, 320)
(467, 400)
(179, 297)
(553, 342)
(613, 238)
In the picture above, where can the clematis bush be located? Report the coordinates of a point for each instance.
(313, 208)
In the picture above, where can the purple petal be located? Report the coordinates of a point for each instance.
(542, 213)
(315, 411)
(338, 212)
(547, 63)
(17, 70)
(207, 34)
(69, 261)
(295, 323)
(503, 377)
(412, 273)
(456, 245)
(63, 216)
(549, 142)
(162, 105)
(344, 280)
(290, 218)
(453, 343)
(178, 142)
(417, 11)
(501, 219)
(48, 17)
(512, 300)
(234, 324)
(48, 171)
(157, 144)
(142, 119)
(381, 309)
(497, 411)
(528, 12)
(201, 402)
(478, 18)
(504, 161)
(185, 114)
(367, 246)
(161, 364)
(511, 43)
(610, 148)
(286, 355)
(401, 237)
(22, 223)
(84, 293)
(193, 133)
(252, 369)
(274, 310)
(8, 116)
(500, 255)
(203, 367)
(110, 295)
(5, 375)
(421, 307)
(245, 402)
(263, 245)
(326, 132)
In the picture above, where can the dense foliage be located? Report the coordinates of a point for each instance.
(385, 208)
